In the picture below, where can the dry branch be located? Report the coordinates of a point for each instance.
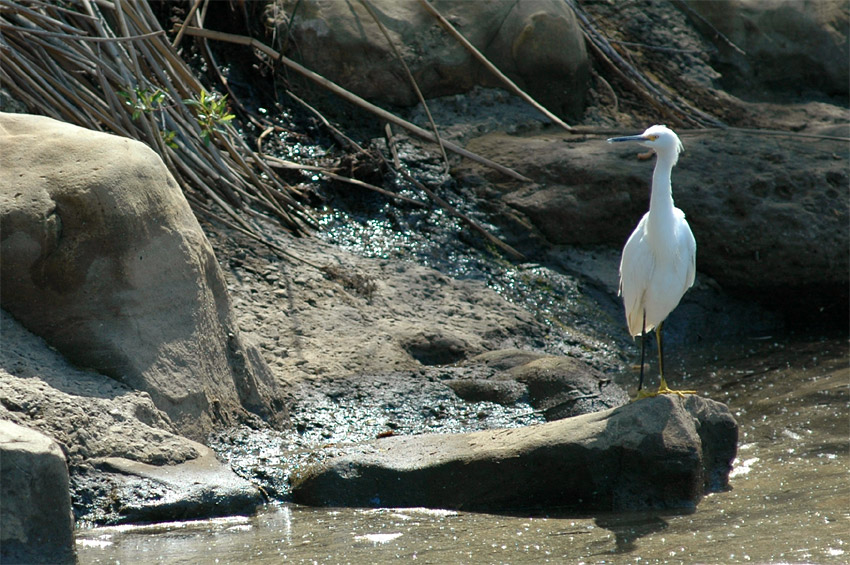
(412, 80)
(671, 104)
(93, 63)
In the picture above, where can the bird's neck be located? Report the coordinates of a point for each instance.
(661, 200)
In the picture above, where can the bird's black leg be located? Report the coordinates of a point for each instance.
(642, 350)
(660, 351)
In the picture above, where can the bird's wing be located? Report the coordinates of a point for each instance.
(689, 244)
(636, 267)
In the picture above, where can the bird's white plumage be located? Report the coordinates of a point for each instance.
(659, 259)
(654, 277)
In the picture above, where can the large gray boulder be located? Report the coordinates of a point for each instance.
(36, 524)
(537, 43)
(103, 257)
(663, 452)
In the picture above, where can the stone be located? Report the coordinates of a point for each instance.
(783, 47)
(127, 463)
(197, 489)
(562, 387)
(538, 44)
(649, 454)
(504, 359)
(36, 524)
(433, 347)
(557, 386)
(487, 390)
(104, 259)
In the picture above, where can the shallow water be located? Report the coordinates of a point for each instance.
(789, 502)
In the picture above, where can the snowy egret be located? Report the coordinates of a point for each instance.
(659, 259)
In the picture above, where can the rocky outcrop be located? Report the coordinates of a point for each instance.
(767, 212)
(119, 446)
(663, 452)
(537, 44)
(103, 258)
(36, 525)
(93, 416)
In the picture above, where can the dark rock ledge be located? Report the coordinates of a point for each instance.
(663, 452)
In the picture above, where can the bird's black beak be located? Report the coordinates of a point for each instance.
(627, 138)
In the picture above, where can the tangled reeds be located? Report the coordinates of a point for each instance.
(109, 66)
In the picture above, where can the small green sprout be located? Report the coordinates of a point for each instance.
(146, 101)
(211, 113)
(168, 138)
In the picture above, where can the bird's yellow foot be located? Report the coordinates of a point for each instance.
(664, 389)
(643, 393)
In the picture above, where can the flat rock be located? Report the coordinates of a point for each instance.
(663, 452)
(36, 525)
(200, 488)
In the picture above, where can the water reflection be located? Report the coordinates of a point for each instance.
(627, 528)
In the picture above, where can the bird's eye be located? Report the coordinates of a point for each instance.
(652, 137)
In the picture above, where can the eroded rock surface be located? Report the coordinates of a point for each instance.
(89, 413)
(558, 387)
(766, 211)
(775, 45)
(200, 488)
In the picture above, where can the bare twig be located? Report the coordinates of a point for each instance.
(282, 163)
(74, 62)
(674, 106)
(333, 129)
(463, 217)
(176, 43)
(692, 13)
(7, 27)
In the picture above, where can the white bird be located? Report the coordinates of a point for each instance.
(659, 259)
